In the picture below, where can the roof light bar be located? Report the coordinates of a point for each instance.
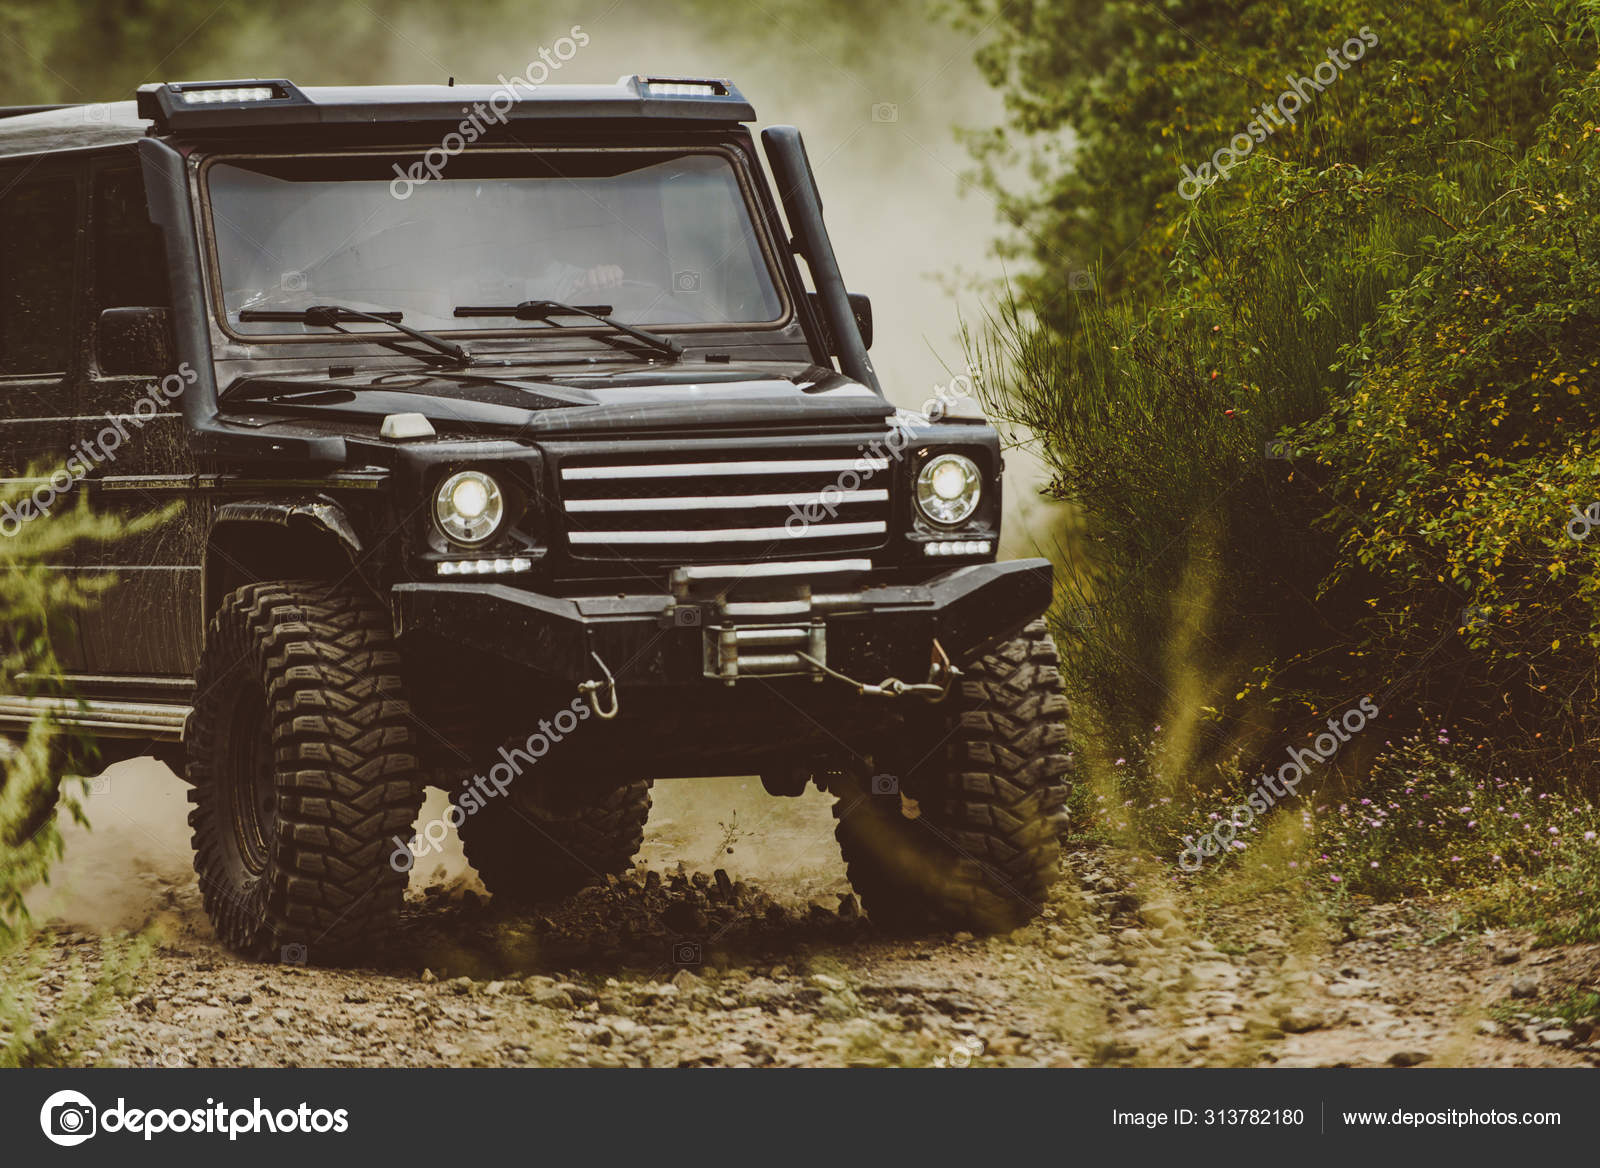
(208, 96)
(202, 102)
(254, 104)
(683, 87)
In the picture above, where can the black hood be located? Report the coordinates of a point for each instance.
(567, 403)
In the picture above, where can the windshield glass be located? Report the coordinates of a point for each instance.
(659, 239)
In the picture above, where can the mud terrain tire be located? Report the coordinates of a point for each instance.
(970, 838)
(303, 766)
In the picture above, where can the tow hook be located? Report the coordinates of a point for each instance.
(591, 690)
(941, 674)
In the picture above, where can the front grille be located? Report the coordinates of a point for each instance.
(739, 506)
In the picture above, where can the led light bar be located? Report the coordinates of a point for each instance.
(684, 87)
(958, 547)
(212, 96)
(498, 567)
(201, 105)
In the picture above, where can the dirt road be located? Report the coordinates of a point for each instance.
(769, 963)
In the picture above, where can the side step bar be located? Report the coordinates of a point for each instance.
(163, 723)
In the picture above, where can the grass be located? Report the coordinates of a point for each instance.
(1427, 818)
(33, 1035)
(1571, 1006)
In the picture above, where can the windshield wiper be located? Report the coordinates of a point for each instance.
(545, 309)
(332, 315)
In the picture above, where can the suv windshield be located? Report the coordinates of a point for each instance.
(656, 238)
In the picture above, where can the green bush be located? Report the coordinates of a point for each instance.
(1461, 461)
(37, 604)
(1201, 563)
(1399, 295)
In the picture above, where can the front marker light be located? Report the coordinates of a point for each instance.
(958, 547)
(948, 488)
(498, 567)
(469, 507)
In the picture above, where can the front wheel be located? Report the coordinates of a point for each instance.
(303, 769)
(961, 826)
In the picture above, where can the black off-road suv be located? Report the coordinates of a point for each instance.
(514, 451)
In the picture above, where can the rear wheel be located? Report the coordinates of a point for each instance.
(962, 828)
(303, 769)
(546, 839)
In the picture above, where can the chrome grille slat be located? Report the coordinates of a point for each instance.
(716, 502)
(731, 534)
(663, 506)
(694, 469)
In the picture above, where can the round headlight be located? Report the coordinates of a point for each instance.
(948, 487)
(469, 506)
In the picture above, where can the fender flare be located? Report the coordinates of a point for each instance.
(325, 516)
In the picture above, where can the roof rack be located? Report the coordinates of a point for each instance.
(262, 104)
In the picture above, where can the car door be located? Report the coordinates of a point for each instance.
(146, 630)
(41, 253)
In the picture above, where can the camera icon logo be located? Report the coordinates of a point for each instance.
(686, 953)
(1474, 618)
(1277, 448)
(686, 281)
(293, 953)
(885, 111)
(885, 784)
(1080, 280)
(686, 617)
(68, 1118)
(962, 1053)
(99, 112)
(1081, 616)
(292, 282)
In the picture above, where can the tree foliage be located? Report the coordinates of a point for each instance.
(1317, 413)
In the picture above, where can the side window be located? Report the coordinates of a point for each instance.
(38, 235)
(129, 266)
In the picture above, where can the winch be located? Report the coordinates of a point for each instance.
(768, 620)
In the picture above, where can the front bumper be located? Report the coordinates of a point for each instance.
(868, 632)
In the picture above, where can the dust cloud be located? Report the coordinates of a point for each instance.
(133, 867)
(119, 872)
